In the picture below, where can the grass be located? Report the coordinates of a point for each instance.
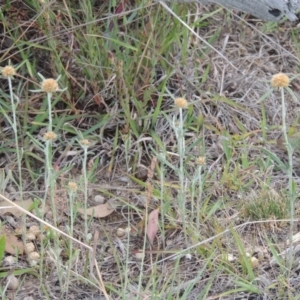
(222, 171)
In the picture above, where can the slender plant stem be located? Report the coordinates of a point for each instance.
(198, 199)
(15, 129)
(162, 203)
(49, 97)
(181, 153)
(85, 182)
(290, 174)
(71, 230)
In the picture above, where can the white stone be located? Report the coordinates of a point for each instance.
(12, 282)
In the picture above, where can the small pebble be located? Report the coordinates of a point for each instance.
(254, 262)
(33, 263)
(18, 230)
(140, 255)
(30, 236)
(230, 257)
(29, 248)
(127, 229)
(9, 260)
(188, 256)
(120, 232)
(12, 282)
(99, 199)
(34, 256)
(34, 229)
(11, 221)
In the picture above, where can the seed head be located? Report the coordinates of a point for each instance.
(85, 143)
(12, 282)
(181, 103)
(201, 160)
(8, 71)
(50, 136)
(72, 186)
(49, 85)
(280, 80)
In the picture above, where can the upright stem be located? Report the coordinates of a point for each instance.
(49, 96)
(198, 199)
(290, 174)
(15, 129)
(181, 153)
(85, 180)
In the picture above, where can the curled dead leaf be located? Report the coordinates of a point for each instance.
(13, 245)
(5, 207)
(152, 226)
(98, 211)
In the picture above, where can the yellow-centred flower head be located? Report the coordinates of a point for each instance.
(49, 85)
(85, 143)
(72, 186)
(181, 102)
(201, 160)
(280, 80)
(50, 136)
(8, 71)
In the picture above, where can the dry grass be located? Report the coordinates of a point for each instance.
(122, 74)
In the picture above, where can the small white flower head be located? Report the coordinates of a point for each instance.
(8, 71)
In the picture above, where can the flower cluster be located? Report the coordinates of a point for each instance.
(181, 103)
(8, 71)
(280, 80)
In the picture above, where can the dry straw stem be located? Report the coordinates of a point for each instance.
(102, 286)
(235, 228)
(197, 35)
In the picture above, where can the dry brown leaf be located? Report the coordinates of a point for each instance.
(14, 210)
(13, 245)
(98, 211)
(152, 226)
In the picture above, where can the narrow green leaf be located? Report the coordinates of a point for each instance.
(2, 246)
(276, 159)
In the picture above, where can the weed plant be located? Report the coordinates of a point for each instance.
(181, 120)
